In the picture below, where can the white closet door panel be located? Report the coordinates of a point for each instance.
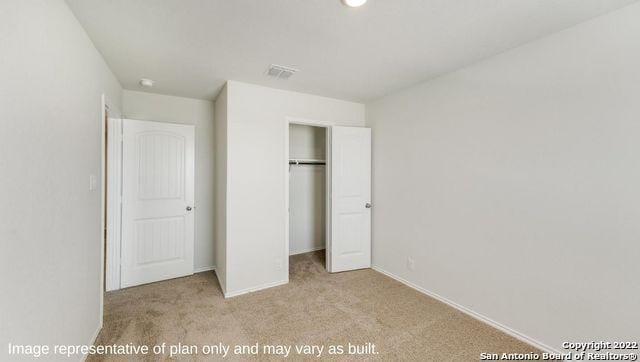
(158, 198)
(350, 198)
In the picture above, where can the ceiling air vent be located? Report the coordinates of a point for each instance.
(280, 71)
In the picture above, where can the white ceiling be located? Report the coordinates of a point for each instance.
(190, 47)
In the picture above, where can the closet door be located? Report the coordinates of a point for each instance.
(350, 198)
(157, 201)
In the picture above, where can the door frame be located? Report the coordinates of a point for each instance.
(108, 109)
(113, 167)
(327, 126)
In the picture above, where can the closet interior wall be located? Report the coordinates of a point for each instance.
(307, 179)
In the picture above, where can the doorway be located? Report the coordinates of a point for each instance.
(307, 188)
(328, 193)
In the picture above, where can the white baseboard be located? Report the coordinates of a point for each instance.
(513, 333)
(308, 251)
(203, 269)
(255, 289)
(92, 341)
(223, 286)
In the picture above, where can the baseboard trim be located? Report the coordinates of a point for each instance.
(255, 289)
(203, 269)
(513, 333)
(92, 341)
(309, 251)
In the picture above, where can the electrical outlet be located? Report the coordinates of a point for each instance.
(411, 264)
(279, 264)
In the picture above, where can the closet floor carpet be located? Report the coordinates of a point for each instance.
(315, 308)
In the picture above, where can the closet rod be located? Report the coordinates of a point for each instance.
(294, 162)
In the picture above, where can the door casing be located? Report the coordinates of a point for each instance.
(111, 209)
(113, 182)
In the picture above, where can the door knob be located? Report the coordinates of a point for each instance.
(367, 205)
(189, 208)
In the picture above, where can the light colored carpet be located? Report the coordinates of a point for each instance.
(314, 308)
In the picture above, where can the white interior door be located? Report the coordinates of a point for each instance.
(350, 198)
(157, 201)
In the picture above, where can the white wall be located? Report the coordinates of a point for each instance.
(307, 190)
(307, 142)
(513, 184)
(221, 187)
(161, 108)
(256, 215)
(50, 142)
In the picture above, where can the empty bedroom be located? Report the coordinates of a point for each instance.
(406, 180)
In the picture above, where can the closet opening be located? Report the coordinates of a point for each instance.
(308, 176)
